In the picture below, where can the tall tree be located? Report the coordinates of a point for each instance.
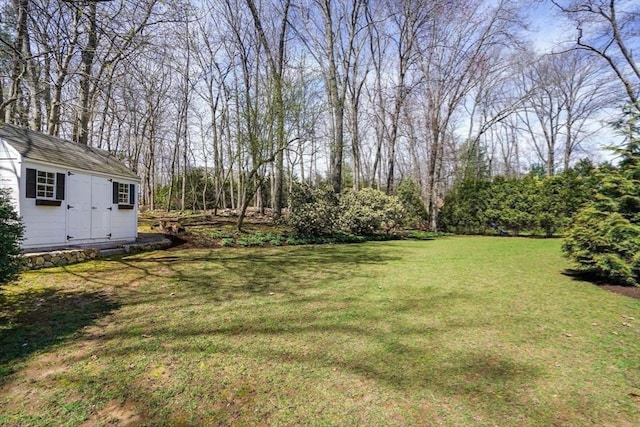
(276, 59)
(329, 30)
(563, 94)
(455, 43)
(608, 30)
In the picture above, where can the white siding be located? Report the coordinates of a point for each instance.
(44, 225)
(49, 226)
(124, 222)
(10, 172)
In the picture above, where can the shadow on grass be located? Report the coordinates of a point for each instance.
(239, 273)
(34, 320)
(312, 322)
(329, 332)
(590, 277)
(585, 276)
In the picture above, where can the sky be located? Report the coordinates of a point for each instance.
(550, 32)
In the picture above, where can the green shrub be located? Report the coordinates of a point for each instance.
(465, 208)
(11, 233)
(312, 212)
(320, 213)
(605, 236)
(369, 211)
(606, 244)
(260, 238)
(408, 193)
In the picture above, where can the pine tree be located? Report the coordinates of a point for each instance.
(11, 232)
(605, 236)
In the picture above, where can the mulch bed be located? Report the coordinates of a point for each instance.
(627, 291)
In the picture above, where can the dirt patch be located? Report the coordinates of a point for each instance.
(627, 291)
(116, 414)
(187, 240)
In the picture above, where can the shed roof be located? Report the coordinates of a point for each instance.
(45, 148)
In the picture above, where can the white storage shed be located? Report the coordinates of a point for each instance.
(67, 194)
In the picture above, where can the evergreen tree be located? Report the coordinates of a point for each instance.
(605, 236)
(11, 232)
(465, 205)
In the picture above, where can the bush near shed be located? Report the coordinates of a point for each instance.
(11, 232)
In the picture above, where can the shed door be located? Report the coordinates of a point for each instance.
(89, 211)
(100, 208)
(79, 207)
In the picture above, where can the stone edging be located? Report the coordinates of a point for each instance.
(37, 260)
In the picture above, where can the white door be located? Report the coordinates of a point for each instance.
(101, 198)
(78, 207)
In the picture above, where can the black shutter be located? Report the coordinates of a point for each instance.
(60, 186)
(115, 192)
(31, 184)
(132, 194)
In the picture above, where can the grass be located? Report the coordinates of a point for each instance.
(451, 331)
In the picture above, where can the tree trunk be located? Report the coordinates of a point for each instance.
(81, 125)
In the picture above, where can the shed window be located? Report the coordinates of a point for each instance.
(123, 193)
(45, 185)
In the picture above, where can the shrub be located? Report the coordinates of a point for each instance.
(226, 241)
(606, 244)
(11, 233)
(369, 211)
(312, 212)
(409, 195)
(465, 208)
(605, 236)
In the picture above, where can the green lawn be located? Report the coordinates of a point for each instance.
(453, 331)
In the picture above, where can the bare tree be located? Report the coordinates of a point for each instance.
(330, 31)
(406, 25)
(276, 60)
(455, 42)
(563, 94)
(608, 29)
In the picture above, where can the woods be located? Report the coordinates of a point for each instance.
(227, 104)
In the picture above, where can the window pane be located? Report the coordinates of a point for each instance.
(123, 193)
(45, 184)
